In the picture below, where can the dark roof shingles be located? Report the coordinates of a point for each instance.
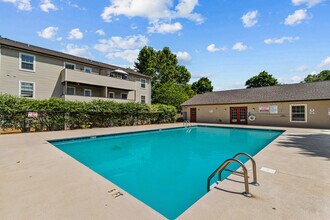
(19, 45)
(283, 93)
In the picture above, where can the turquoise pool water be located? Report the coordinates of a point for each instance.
(165, 169)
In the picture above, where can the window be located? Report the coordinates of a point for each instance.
(88, 92)
(88, 69)
(111, 95)
(71, 90)
(70, 66)
(143, 83)
(27, 62)
(124, 77)
(298, 113)
(143, 99)
(26, 89)
(124, 95)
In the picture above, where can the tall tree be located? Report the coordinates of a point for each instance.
(169, 80)
(203, 85)
(182, 75)
(170, 93)
(322, 76)
(261, 80)
(166, 66)
(147, 62)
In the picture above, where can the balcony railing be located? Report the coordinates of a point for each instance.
(91, 98)
(68, 75)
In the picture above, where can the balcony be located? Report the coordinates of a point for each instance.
(88, 98)
(68, 75)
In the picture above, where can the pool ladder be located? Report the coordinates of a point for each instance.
(245, 172)
(187, 123)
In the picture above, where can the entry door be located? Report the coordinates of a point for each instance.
(238, 115)
(193, 114)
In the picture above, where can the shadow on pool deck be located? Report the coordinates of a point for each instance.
(311, 144)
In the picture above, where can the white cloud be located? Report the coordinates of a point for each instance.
(46, 5)
(126, 48)
(240, 46)
(200, 75)
(48, 33)
(297, 17)
(75, 34)
(183, 57)
(128, 55)
(165, 28)
(212, 48)
(250, 19)
(296, 79)
(163, 10)
(301, 68)
(22, 5)
(325, 63)
(309, 3)
(77, 51)
(100, 32)
(312, 73)
(281, 40)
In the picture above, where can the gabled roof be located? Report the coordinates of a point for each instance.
(281, 93)
(68, 57)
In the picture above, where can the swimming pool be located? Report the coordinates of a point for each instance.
(166, 169)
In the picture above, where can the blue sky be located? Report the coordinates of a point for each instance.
(226, 40)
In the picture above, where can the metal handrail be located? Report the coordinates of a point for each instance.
(255, 182)
(187, 123)
(222, 167)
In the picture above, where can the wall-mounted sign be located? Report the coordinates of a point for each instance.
(32, 114)
(273, 109)
(329, 111)
(312, 111)
(264, 108)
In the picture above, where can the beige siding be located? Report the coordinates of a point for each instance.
(221, 114)
(48, 80)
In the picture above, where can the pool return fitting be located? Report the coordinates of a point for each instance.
(244, 173)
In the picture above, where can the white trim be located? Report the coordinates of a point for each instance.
(19, 89)
(145, 83)
(114, 95)
(91, 91)
(306, 110)
(74, 89)
(121, 96)
(86, 67)
(20, 62)
(70, 64)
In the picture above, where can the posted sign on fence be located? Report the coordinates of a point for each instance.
(32, 115)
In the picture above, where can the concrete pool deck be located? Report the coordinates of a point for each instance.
(38, 181)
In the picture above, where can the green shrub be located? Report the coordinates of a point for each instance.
(56, 114)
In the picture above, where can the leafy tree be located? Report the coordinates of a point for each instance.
(183, 75)
(169, 80)
(147, 61)
(203, 85)
(261, 80)
(322, 76)
(170, 93)
(166, 67)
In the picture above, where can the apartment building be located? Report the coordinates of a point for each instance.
(34, 72)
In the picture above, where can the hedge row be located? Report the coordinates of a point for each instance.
(57, 114)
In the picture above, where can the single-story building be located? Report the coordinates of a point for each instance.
(293, 105)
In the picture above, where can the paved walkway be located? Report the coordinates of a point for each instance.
(38, 181)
